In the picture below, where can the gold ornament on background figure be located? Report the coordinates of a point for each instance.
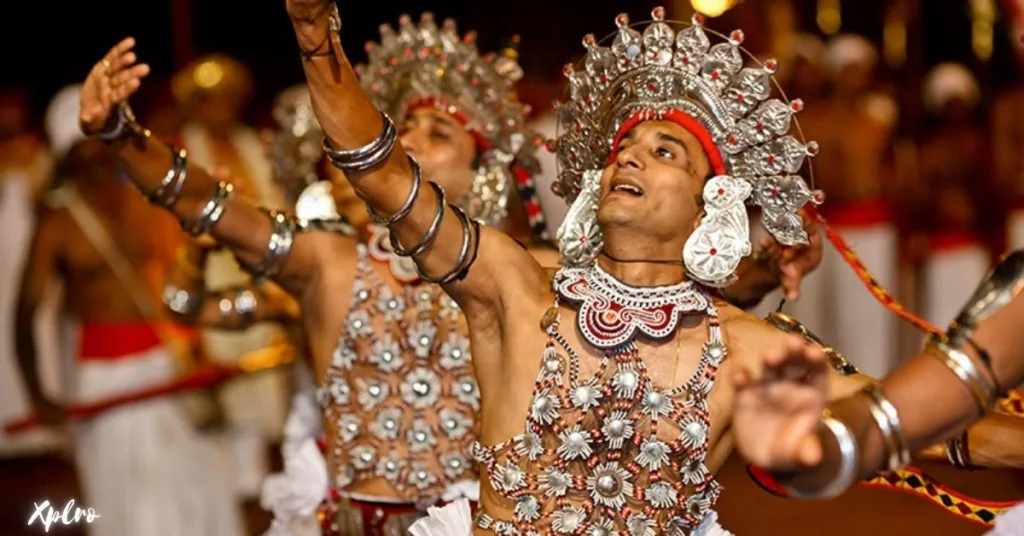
(214, 73)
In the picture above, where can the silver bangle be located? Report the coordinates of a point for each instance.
(169, 191)
(985, 393)
(847, 472)
(888, 421)
(406, 207)
(368, 156)
(213, 210)
(179, 300)
(463, 262)
(429, 236)
(125, 121)
(279, 245)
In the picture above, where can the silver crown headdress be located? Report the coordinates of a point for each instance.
(427, 65)
(296, 147)
(661, 73)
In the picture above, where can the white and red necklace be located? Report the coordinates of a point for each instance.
(612, 313)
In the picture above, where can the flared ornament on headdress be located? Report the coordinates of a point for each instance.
(664, 74)
(426, 65)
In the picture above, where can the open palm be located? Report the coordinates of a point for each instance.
(777, 416)
(111, 81)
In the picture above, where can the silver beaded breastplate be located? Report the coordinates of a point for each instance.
(613, 453)
(400, 389)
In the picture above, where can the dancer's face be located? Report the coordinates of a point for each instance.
(445, 151)
(655, 183)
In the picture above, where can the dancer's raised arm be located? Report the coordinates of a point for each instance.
(362, 142)
(265, 241)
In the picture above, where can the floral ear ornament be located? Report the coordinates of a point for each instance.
(665, 74)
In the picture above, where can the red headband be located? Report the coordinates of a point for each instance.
(438, 103)
(682, 119)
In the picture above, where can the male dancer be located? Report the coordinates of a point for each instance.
(143, 467)
(315, 273)
(611, 434)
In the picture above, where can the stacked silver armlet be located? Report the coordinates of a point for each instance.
(279, 245)
(888, 421)
(847, 472)
(212, 211)
(465, 260)
(430, 235)
(983, 389)
(403, 211)
(169, 191)
(368, 156)
(371, 156)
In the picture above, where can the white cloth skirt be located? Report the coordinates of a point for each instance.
(143, 468)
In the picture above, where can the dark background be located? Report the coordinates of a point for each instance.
(49, 43)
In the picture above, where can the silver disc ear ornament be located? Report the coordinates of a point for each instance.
(579, 237)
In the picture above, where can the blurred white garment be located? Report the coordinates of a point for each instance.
(142, 466)
(254, 406)
(951, 274)
(18, 221)
(294, 495)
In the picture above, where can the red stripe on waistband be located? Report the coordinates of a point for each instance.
(864, 213)
(101, 342)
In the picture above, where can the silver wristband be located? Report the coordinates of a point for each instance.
(984, 391)
(417, 180)
(181, 301)
(279, 245)
(125, 122)
(888, 421)
(464, 260)
(429, 236)
(849, 457)
(368, 156)
(212, 211)
(169, 191)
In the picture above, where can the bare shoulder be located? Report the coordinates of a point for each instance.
(746, 335)
(549, 258)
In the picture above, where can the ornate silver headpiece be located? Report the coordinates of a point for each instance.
(664, 74)
(296, 147)
(424, 65)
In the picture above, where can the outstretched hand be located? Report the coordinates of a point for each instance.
(778, 409)
(111, 81)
